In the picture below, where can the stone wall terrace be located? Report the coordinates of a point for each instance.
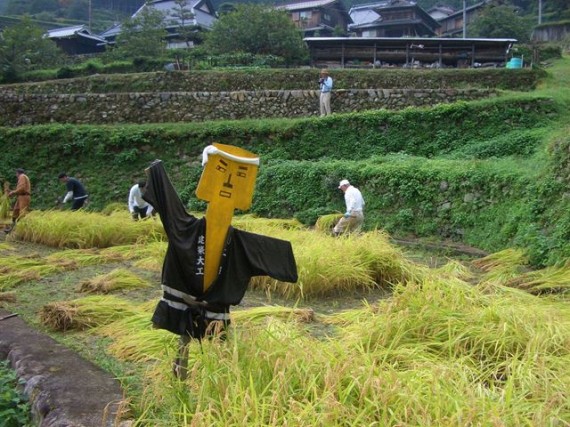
(17, 109)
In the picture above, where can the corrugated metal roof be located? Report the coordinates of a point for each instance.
(404, 40)
(363, 16)
(305, 4)
(65, 31)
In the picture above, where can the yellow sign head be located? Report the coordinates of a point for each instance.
(228, 176)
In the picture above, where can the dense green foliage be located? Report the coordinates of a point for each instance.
(271, 79)
(24, 48)
(14, 408)
(257, 29)
(501, 22)
(460, 171)
(142, 35)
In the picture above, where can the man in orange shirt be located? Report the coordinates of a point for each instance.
(23, 197)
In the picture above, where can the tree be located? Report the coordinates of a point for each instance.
(23, 47)
(259, 30)
(500, 22)
(142, 35)
(182, 19)
(226, 7)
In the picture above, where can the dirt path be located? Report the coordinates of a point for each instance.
(63, 388)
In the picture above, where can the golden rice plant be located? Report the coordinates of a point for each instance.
(436, 337)
(7, 297)
(115, 208)
(326, 223)
(117, 279)
(81, 229)
(85, 313)
(453, 269)
(255, 224)
(16, 270)
(137, 251)
(254, 314)
(502, 266)
(334, 265)
(74, 258)
(552, 279)
(5, 208)
(135, 339)
(4, 246)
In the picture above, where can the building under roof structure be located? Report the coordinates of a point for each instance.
(410, 52)
(317, 17)
(76, 40)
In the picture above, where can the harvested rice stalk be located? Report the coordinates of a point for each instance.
(548, 280)
(507, 258)
(254, 224)
(502, 266)
(84, 313)
(135, 339)
(6, 247)
(329, 265)
(75, 258)
(454, 269)
(302, 315)
(11, 278)
(7, 297)
(85, 229)
(326, 223)
(115, 280)
(5, 203)
(150, 264)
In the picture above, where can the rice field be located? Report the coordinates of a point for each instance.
(480, 343)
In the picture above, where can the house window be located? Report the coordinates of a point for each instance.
(369, 33)
(305, 14)
(326, 16)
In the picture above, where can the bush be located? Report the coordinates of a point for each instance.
(65, 73)
(14, 409)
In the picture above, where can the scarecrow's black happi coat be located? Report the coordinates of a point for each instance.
(185, 307)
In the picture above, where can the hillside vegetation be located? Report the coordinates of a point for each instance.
(490, 173)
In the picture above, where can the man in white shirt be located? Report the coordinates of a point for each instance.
(354, 217)
(326, 85)
(138, 207)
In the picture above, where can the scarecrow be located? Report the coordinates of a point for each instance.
(208, 263)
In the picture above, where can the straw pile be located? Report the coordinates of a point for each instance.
(117, 279)
(84, 313)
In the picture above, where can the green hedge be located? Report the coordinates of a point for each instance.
(477, 180)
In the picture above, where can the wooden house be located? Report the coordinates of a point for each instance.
(200, 15)
(452, 24)
(76, 40)
(323, 18)
(395, 18)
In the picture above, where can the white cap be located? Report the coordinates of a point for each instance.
(343, 182)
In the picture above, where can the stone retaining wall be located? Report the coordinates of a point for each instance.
(160, 107)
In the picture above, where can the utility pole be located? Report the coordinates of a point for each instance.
(539, 12)
(465, 18)
(89, 12)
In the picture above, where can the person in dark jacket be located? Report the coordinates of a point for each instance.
(75, 191)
